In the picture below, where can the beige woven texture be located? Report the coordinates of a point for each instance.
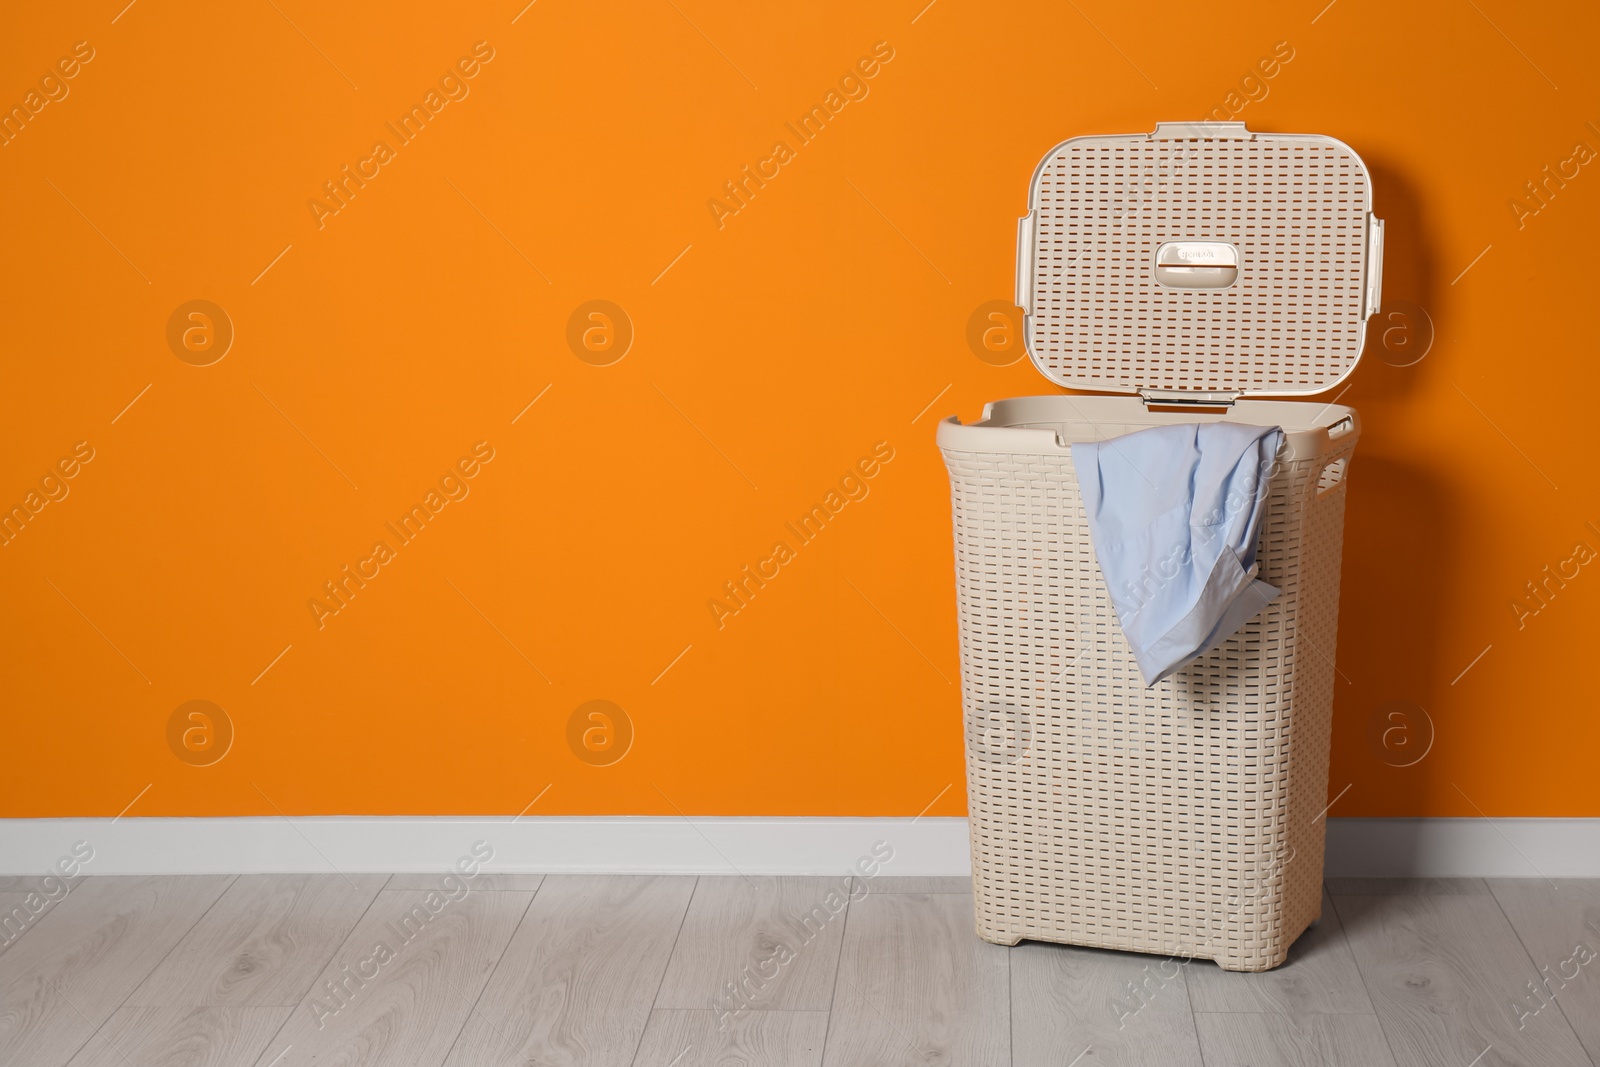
(1186, 819)
(1183, 819)
(1296, 209)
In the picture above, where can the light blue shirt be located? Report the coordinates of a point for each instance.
(1174, 515)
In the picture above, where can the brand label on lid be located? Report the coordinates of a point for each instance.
(1197, 254)
(1197, 265)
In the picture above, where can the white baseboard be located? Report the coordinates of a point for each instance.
(598, 844)
(1438, 848)
(1463, 848)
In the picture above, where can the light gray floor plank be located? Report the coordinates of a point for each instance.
(916, 986)
(775, 940)
(919, 884)
(81, 960)
(18, 912)
(1243, 1039)
(262, 943)
(758, 1039)
(1559, 925)
(572, 982)
(1320, 976)
(1443, 972)
(181, 1037)
(386, 1001)
(28, 883)
(1400, 887)
(31, 899)
(482, 882)
(1131, 1010)
(575, 986)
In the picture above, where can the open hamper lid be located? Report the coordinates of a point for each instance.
(1199, 263)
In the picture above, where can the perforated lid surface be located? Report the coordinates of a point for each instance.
(1296, 207)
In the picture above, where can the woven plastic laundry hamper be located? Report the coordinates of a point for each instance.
(1188, 269)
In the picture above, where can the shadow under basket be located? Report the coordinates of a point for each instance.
(1185, 819)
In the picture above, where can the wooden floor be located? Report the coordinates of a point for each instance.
(560, 971)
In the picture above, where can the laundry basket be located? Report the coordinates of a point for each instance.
(1191, 267)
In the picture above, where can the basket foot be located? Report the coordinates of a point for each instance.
(999, 937)
(1252, 964)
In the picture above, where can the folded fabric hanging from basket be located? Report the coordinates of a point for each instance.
(1174, 515)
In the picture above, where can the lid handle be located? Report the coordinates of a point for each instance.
(1197, 265)
(1374, 265)
(1025, 263)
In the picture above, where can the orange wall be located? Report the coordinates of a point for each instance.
(774, 349)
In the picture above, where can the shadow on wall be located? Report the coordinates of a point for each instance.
(1396, 591)
(1399, 337)
(1400, 544)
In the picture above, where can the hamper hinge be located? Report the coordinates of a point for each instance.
(1187, 398)
(1201, 131)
